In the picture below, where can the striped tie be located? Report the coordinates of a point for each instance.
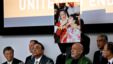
(37, 62)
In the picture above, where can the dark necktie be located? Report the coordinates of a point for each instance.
(100, 58)
(109, 63)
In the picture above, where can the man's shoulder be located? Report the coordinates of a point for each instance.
(17, 60)
(4, 63)
(14, 61)
(85, 60)
(68, 61)
(29, 57)
(97, 52)
(46, 58)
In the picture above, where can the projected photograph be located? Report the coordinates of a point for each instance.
(66, 22)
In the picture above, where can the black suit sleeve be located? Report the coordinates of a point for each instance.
(50, 62)
(94, 58)
(26, 60)
(46, 60)
(4, 63)
(29, 60)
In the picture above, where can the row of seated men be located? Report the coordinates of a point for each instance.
(76, 54)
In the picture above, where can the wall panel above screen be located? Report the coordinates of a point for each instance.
(97, 11)
(97, 15)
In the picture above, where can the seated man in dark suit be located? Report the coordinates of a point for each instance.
(29, 58)
(39, 57)
(102, 39)
(9, 55)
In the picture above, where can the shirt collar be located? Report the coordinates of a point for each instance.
(38, 59)
(9, 62)
(111, 60)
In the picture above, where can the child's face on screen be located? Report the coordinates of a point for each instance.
(71, 21)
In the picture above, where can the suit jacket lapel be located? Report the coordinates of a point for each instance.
(5, 63)
(13, 61)
(42, 61)
(32, 60)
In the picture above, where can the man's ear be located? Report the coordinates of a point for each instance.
(43, 51)
(81, 52)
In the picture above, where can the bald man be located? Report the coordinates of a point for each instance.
(77, 56)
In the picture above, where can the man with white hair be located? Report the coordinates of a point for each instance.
(77, 56)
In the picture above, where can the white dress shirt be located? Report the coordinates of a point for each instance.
(9, 62)
(110, 61)
(37, 60)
